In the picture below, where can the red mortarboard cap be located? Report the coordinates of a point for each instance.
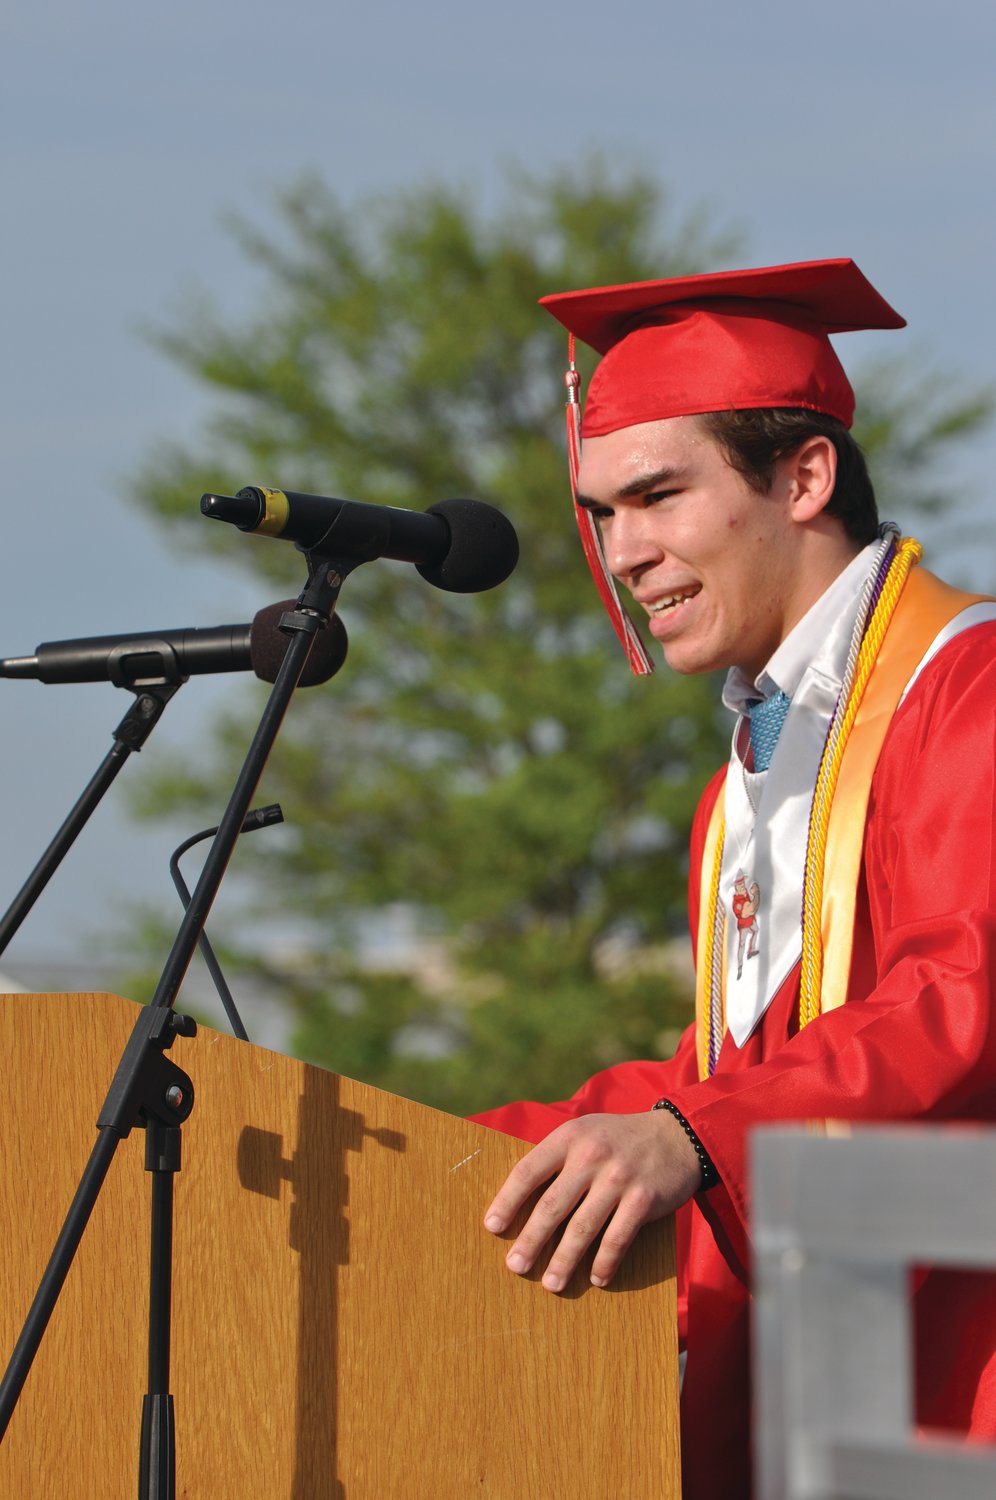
(725, 340)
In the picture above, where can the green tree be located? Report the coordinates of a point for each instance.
(486, 766)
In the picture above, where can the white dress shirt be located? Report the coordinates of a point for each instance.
(769, 844)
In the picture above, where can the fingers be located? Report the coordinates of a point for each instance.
(605, 1175)
(620, 1222)
(591, 1191)
(595, 1212)
(525, 1177)
(560, 1200)
(601, 1212)
(616, 1240)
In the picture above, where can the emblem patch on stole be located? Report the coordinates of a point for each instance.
(745, 904)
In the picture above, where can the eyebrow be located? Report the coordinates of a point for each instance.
(643, 484)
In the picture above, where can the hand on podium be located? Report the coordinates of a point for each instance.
(610, 1174)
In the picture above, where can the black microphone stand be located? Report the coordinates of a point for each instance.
(149, 1089)
(131, 734)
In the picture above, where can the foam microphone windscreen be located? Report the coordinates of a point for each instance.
(483, 548)
(268, 646)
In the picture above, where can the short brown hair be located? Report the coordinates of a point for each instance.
(753, 441)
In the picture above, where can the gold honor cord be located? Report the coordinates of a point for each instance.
(714, 964)
(711, 977)
(884, 663)
(908, 553)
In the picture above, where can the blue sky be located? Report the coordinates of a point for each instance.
(864, 130)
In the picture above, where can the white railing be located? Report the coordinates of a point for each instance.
(838, 1223)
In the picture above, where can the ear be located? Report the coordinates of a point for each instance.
(810, 474)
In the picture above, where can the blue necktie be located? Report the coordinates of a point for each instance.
(767, 715)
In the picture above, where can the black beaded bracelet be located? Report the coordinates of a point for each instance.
(710, 1176)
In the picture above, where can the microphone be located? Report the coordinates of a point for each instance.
(134, 661)
(462, 546)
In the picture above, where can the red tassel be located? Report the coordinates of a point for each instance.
(591, 537)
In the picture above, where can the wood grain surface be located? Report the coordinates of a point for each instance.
(343, 1326)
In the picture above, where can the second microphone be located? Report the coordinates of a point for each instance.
(462, 546)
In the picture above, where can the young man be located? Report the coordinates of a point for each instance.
(718, 482)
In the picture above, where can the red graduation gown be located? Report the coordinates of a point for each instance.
(915, 1041)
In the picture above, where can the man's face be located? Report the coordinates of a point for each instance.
(715, 565)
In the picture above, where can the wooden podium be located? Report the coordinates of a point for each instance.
(343, 1326)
